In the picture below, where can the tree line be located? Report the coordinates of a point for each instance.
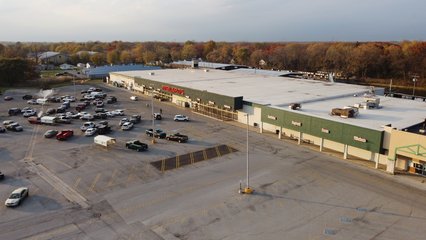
(360, 60)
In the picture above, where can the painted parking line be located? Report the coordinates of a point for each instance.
(132, 170)
(93, 185)
(62, 163)
(77, 181)
(111, 181)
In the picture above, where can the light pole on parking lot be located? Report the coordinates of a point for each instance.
(152, 115)
(247, 189)
(414, 87)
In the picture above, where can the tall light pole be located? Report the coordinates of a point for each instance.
(414, 87)
(152, 115)
(247, 189)
(73, 80)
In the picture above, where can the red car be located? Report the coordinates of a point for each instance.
(64, 135)
(8, 98)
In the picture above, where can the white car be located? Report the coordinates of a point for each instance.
(181, 118)
(87, 125)
(90, 132)
(134, 98)
(87, 117)
(127, 126)
(32, 101)
(16, 197)
(109, 114)
(118, 112)
(29, 113)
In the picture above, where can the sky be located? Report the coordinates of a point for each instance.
(217, 20)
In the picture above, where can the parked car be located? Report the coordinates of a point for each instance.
(72, 115)
(90, 132)
(99, 104)
(32, 102)
(80, 107)
(34, 120)
(157, 116)
(105, 123)
(103, 129)
(100, 115)
(87, 117)
(15, 127)
(122, 121)
(29, 113)
(8, 98)
(158, 133)
(111, 99)
(63, 119)
(50, 133)
(99, 110)
(8, 122)
(127, 126)
(177, 137)
(27, 97)
(61, 109)
(136, 145)
(135, 119)
(54, 99)
(16, 197)
(118, 112)
(87, 125)
(181, 118)
(1, 176)
(134, 98)
(50, 111)
(2, 130)
(14, 111)
(64, 135)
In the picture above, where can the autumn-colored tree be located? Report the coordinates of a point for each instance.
(316, 55)
(189, 51)
(256, 57)
(338, 57)
(98, 59)
(241, 55)
(113, 57)
(149, 57)
(16, 70)
(126, 57)
(209, 47)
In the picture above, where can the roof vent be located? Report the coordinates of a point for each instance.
(295, 106)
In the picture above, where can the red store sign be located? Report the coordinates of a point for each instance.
(173, 90)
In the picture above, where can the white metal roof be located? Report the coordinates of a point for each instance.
(317, 97)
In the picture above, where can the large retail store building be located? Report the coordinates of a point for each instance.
(388, 131)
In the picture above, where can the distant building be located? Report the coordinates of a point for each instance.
(103, 72)
(67, 66)
(90, 53)
(55, 58)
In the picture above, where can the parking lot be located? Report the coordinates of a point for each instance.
(117, 193)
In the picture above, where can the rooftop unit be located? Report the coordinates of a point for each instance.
(346, 112)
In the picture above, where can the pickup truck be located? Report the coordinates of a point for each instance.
(158, 133)
(64, 135)
(177, 137)
(136, 145)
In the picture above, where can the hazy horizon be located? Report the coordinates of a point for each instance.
(219, 20)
